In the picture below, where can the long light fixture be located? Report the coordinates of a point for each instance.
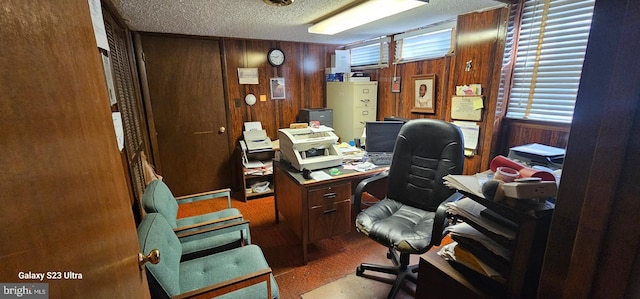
(364, 13)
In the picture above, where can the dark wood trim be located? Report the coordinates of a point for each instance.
(592, 248)
(538, 124)
(514, 132)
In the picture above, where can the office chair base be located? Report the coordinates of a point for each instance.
(400, 269)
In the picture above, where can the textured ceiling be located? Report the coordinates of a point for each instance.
(253, 19)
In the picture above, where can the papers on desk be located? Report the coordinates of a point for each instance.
(320, 176)
(350, 153)
(364, 166)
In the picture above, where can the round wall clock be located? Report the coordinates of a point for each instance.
(275, 57)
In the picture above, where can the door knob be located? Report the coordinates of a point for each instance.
(222, 129)
(153, 257)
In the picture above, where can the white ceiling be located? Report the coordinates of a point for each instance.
(254, 19)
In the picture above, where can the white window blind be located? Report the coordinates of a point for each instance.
(370, 54)
(506, 62)
(427, 43)
(550, 52)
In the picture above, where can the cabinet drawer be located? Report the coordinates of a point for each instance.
(329, 194)
(329, 220)
(364, 114)
(364, 102)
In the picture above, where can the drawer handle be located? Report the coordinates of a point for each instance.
(330, 211)
(330, 195)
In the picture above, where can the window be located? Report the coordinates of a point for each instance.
(430, 42)
(370, 54)
(548, 63)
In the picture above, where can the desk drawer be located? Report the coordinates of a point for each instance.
(329, 220)
(330, 194)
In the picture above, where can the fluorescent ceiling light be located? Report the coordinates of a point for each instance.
(364, 13)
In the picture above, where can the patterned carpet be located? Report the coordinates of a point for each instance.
(330, 260)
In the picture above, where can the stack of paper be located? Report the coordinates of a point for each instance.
(466, 231)
(258, 168)
(468, 183)
(470, 210)
(454, 252)
(470, 132)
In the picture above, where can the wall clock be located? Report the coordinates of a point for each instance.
(275, 57)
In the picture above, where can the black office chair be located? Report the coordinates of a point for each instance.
(411, 217)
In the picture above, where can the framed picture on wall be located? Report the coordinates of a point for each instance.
(277, 88)
(395, 85)
(423, 93)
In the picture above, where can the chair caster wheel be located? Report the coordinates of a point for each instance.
(359, 271)
(389, 256)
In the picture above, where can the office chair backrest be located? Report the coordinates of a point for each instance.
(426, 150)
(157, 198)
(154, 232)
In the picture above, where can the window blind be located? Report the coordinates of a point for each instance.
(506, 68)
(127, 103)
(426, 43)
(370, 54)
(550, 51)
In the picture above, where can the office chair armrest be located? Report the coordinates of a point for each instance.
(231, 285)
(234, 226)
(364, 184)
(440, 221)
(206, 195)
(210, 223)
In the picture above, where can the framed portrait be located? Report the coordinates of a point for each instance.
(423, 93)
(277, 88)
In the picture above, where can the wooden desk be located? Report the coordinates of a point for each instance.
(315, 210)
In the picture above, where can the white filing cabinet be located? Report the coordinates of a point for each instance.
(353, 104)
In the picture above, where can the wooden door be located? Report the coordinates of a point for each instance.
(64, 206)
(187, 108)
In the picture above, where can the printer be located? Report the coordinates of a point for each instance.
(310, 148)
(535, 154)
(255, 138)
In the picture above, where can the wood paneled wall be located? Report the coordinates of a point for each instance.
(303, 72)
(517, 132)
(480, 39)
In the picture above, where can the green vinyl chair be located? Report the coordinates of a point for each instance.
(225, 229)
(241, 272)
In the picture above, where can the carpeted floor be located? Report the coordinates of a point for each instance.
(331, 260)
(350, 287)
